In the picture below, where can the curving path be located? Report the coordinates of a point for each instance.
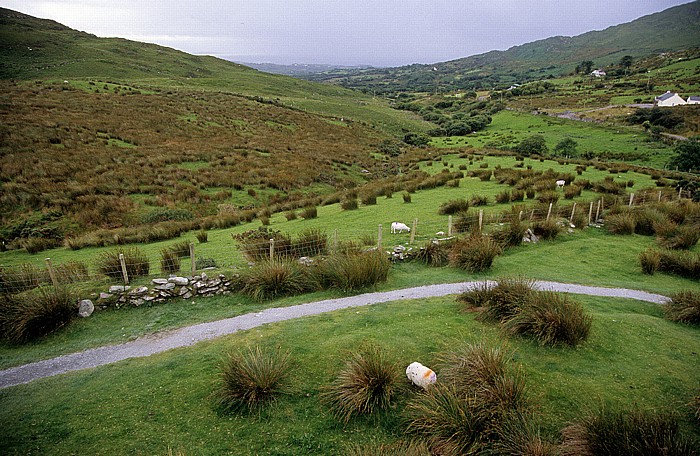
(190, 335)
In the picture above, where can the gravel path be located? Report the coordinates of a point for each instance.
(190, 335)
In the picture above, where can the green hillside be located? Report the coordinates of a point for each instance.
(43, 49)
(674, 29)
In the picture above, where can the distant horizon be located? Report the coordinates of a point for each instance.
(364, 33)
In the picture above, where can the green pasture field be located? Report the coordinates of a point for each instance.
(510, 127)
(164, 403)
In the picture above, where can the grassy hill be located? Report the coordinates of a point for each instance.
(674, 29)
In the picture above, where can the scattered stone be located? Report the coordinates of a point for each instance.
(104, 296)
(86, 308)
(165, 287)
(305, 261)
(159, 281)
(179, 281)
(119, 288)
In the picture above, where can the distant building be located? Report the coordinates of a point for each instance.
(669, 99)
(693, 100)
(598, 73)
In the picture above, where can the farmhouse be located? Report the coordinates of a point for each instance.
(669, 99)
(599, 73)
(693, 100)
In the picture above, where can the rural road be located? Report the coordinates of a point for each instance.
(190, 335)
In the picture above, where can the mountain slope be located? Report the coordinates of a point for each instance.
(676, 28)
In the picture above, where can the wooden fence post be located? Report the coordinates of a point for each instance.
(659, 196)
(449, 225)
(379, 237)
(520, 216)
(590, 213)
(124, 273)
(631, 199)
(481, 219)
(272, 249)
(335, 241)
(413, 231)
(549, 212)
(193, 262)
(573, 211)
(597, 212)
(52, 273)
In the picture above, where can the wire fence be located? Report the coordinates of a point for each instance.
(124, 265)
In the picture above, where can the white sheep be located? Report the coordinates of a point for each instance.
(398, 227)
(420, 375)
(561, 183)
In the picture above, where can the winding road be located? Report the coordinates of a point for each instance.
(190, 335)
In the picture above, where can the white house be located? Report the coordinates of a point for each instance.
(693, 100)
(669, 99)
(598, 73)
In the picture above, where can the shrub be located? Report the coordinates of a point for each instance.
(202, 236)
(203, 263)
(274, 279)
(181, 249)
(255, 244)
(479, 200)
(406, 197)
(349, 204)
(503, 197)
(137, 264)
(646, 219)
(169, 261)
(355, 271)
(512, 234)
(36, 245)
(548, 197)
(290, 215)
(551, 319)
(369, 199)
(310, 243)
(20, 278)
(623, 432)
(453, 206)
(547, 229)
(684, 307)
(252, 379)
(501, 301)
(650, 260)
(622, 223)
(683, 263)
(434, 253)
(517, 195)
(572, 191)
(474, 253)
(36, 313)
(400, 448)
(366, 384)
(309, 212)
(678, 237)
(519, 436)
(73, 271)
(464, 223)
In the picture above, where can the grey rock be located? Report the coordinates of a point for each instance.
(104, 295)
(159, 281)
(179, 281)
(165, 287)
(119, 288)
(187, 295)
(138, 291)
(86, 308)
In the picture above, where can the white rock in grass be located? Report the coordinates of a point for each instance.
(86, 308)
(420, 375)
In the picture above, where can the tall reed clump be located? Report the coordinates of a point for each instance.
(202, 236)
(169, 261)
(309, 212)
(34, 314)
(400, 448)
(678, 237)
(519, 435)
(650, 260)
(616, 432)
(512, 234)
(547, 229)
(354, 271)
(434, 253)
(684, 307)
(137, 263)
(462, 413)
(622, 223)
(21, 278)
(499, 302)
(474, 253)
(366, 384)
(252, 378)
(453, 206)
(274, 279)
(551, 319)
(310, 243)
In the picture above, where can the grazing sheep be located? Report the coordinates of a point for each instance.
(420, 375)
(398, 227)
(561, 183)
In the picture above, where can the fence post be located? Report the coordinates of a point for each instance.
(659, 196)
(520, 216)
(413, 231)
(631, 199)
(549, 212)
(573, 211)
(449, 225)
(481, 219)
(335, 241)
(193, 263)
(590, 213)
(124, 273)
(532, 215)
(680, 192)
(52, 273)
(597, 212)
(379, 237)
(272, 249)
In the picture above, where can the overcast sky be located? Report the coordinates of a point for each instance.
(345, 32)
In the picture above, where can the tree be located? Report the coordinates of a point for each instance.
(566, 148)
(416, 139)
(586, 66)
(534, 144)
(688, 158)
(626, 62)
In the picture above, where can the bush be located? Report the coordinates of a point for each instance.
(434, 253)
(683, 263)
(20, 278)
(367, 383)
(181, 249)
(572, 191)
(678, 237)
(626, 432)
(503, 197)
(479, 200)
(650, 261)
(684, 307)
(547, 229)
(34, 314)
(255, 244)
(512, 234)
(355, 271)
(203, 263)
(349, 204)
(369, 199)
(453, 206)
(36, 245)
(646, 219)
(137, 264)
(202, 236)
(548, 197)
(274, 279)
(474, 253)
(623, 223)
(169, 261)
(519, 436)
(309, 212)
(310, 243)
(290, 215)
(252, 379)
(406, 197)
(551, 319)
(501, 301)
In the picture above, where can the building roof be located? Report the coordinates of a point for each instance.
(666, 96)
(693, 98)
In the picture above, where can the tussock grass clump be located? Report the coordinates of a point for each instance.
(683, 263)
(36, 245)
(309, 243)
(274, 279)
(202, 236)
(354, 271)
(400, 448)
(684, 307)
(406, 197)
(255, 244)
(137, 263)
(650, 260)
(31, 315)
(551, 319)
(252, 378)
(503, 197)
(350, 204)
(646, 219)
(572, 191)
(500, 301)
(434, 253)
(520, 436)
(626, 432)
(453, 206)
(678, 237)
(622, 223)
(465, 222)
(366, 384)
(547, 229)
(181, 249)
(479, 200)
(169, 261)
(474, 253)
(309, 212)
(21, 278)
(512, 234)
